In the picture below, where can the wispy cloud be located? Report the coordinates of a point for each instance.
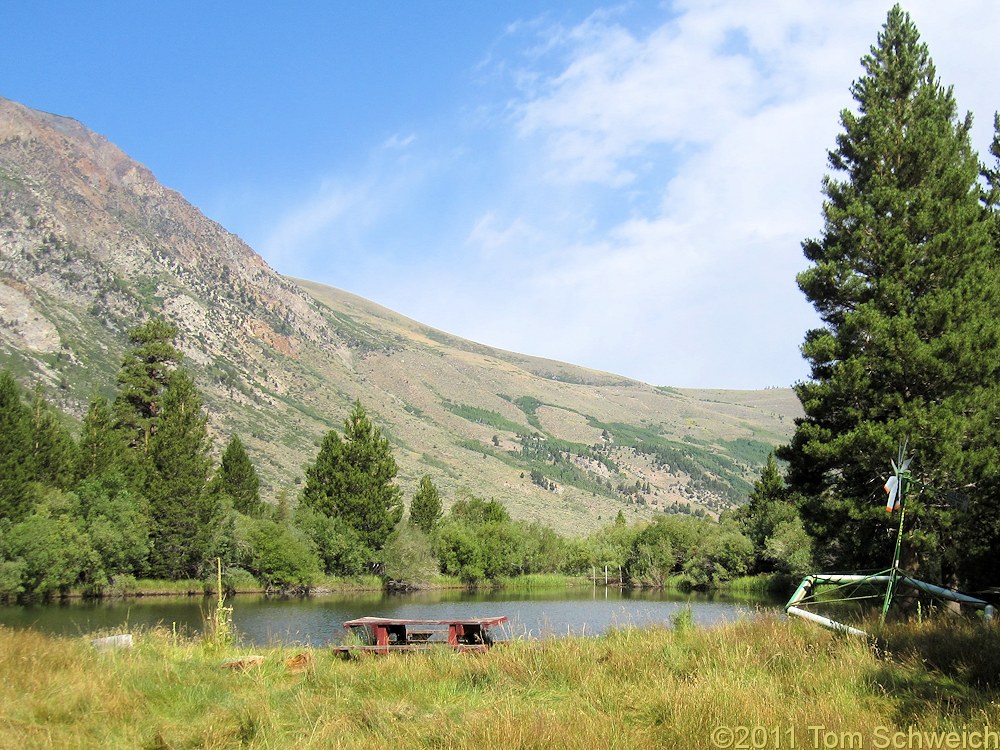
(397, 141)
(621, 93)
(640, 204)
(333, 216)
(344, 226)
(702, 142)
(699, 144)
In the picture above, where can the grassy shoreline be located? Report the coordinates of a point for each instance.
(629, 688)
(207, 587)
(765, 585)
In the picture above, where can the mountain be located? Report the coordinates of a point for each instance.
(91, 244)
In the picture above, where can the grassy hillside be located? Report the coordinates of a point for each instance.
(594, 435)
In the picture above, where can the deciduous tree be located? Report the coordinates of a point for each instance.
(277, 556)
(116, 520)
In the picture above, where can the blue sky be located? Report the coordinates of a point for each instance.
(622, 186)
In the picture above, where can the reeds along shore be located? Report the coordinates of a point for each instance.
(777, 682)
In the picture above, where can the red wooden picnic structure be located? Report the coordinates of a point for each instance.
(386, 635)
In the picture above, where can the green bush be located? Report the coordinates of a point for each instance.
(278, 557)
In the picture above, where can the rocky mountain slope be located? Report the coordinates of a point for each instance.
(91, 244)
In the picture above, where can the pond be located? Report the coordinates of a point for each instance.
(318, 620)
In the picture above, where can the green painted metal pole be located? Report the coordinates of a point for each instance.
(904, 481)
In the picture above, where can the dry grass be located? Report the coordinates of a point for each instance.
(627, 689)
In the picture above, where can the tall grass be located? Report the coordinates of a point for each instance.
(348, 583)
(629, 688)
(129, 586)
(766, 584)
(542, 582)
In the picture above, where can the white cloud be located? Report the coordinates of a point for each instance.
(644, 208)
(397, 141)
(488, 238)
(327, 215)
(710, 132)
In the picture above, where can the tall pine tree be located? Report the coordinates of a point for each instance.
(979, 518)
(102, 446)
(905, 281)
(238, 479)
(352, 481)
(766, 507)
(184, 517)
(15, 450)
(142, 378)
(53, 451)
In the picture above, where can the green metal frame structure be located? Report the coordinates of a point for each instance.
(852, 587)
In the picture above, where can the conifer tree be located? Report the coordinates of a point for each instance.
(142, 378)
(352, 481)
(15, 450)
(979, 518)
(323, 482)
(238, 479)
(183, 515)
(372, 504)
(766, 507)
(771, 523)
(425, 510)
(53, 451)
(905, 282)
(102, 446)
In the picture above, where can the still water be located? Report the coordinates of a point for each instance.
(318, 620)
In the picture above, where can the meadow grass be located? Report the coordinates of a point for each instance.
(541, 582)
(629, 688)
(765, 584)
(348, 583)
(129, 586)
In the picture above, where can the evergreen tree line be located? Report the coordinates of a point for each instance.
(135, 496)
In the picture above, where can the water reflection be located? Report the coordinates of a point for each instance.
(318, 620)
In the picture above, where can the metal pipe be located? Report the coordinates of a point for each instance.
(826, 622)
(944, 593)
(801, 592)
(848, 578)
